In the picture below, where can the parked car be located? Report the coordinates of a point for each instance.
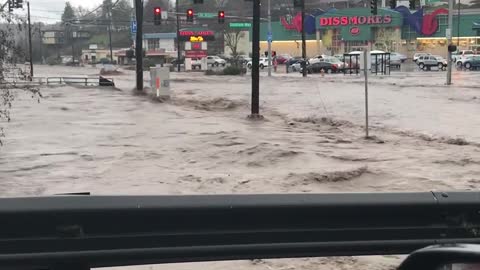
(297, 66)
(216, 61)
(399, 56)
(472, 62)
(317, 58)
(283, 58)
(317, 67)
(262, 63)
(244, 59)
(459, 56)
(418, 55)
(175, 61)
(395, 60)
(339, 57)
(427, 61)
(293, 60)
(442, 62)
(339, 65)
(196, 63)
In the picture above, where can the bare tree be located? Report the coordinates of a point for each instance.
(10, 53)
(232, 38)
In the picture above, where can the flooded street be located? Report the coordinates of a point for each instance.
(108, 141)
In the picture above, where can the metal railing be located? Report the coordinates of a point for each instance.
(80, 81)
(82, 232)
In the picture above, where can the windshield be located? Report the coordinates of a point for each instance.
(95, 99)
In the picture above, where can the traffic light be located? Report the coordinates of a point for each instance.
(157, 16)
(298, 3)
(10, 5)
(373, 6)
(393, 4)
(19, 4)
(221, 16)
(412, 4)
(190, 15)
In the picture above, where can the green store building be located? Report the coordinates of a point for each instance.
(345, 30)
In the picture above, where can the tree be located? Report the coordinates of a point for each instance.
(121, 13)
(232, 37)
(10, 53)
(106, 9)
(68, 13)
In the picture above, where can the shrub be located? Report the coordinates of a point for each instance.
(53, 61)
(147, 63)
(232, 70)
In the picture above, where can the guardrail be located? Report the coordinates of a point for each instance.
(83, 81)
(82, 232)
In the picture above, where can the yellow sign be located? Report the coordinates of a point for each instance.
(196, 39)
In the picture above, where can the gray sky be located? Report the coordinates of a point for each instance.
(49, 11)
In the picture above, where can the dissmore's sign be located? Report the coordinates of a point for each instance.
(355, 20)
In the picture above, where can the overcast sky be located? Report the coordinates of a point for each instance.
(50, 11)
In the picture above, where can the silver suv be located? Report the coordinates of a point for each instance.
(427, 61)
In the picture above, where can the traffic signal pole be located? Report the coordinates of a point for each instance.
(304, 44)
(269, 41)
(30, 41)
(449, 37)
(139, 44)
(256, 60)
(179, 55)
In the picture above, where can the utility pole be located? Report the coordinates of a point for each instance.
(365, 72)
(458, 25)
(30, 40)
(179, 55)
(110, 33)
(139, 43)
(40, 45)
(269, 40)
(449, 37)
(256, 60)
(304, 44)
(73, 43)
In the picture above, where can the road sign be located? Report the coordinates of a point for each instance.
(133, 27)
(269, 37)
(206, 15)
(240, 25)
(448, 33)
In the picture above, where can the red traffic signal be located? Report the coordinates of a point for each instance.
(157, 16)
(221, 16)
(190, 15)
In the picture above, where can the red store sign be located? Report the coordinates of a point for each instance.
(195, 54)
(355, 20)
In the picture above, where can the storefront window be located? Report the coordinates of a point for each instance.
(153, 44)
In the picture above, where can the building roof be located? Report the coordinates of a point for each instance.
(160, 35)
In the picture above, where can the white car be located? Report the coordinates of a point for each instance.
(196, 63)
(216, 61)
(262, 63)
(460, 57)
(317, 59)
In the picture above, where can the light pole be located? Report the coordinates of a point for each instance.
(449, 37)
(269, 40)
